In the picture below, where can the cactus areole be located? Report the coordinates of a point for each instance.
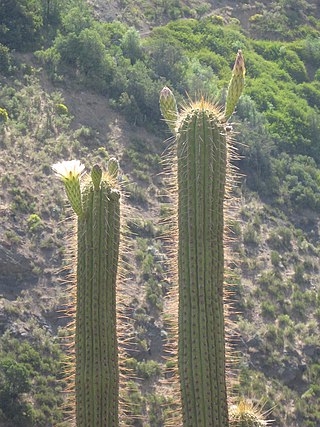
(202, 159)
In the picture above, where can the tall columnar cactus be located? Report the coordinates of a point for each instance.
(202, 144)
(97, 206)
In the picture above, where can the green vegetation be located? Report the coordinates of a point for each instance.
(3, 115)
(276, 248)
(33, 369)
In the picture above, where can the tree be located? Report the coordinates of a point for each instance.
(131, 45)
(21, 22)
(14, 380)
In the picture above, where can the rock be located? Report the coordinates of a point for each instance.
(291, 372)
(13, 263)
(256, 342)
(311, 350)
(16, 273)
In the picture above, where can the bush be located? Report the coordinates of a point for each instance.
(268, 310)
(131, 45)
(3, 116)
(291, 63)
(14, 378)
(250, 236)
(275, 258)
(62, 109)
(280, 238)
(21, 22)
(14, 382)
(148, 369)
(5, 59)
(35, 223)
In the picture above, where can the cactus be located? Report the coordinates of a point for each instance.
(97, 206)
(202, 152)
(245, 414)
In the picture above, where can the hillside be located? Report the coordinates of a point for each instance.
(61, 106)
(144, 15)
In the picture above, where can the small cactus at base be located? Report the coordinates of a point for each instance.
(245, 414)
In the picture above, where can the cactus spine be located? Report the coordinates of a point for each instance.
(96, 349)
(202, 157)
(245, 414)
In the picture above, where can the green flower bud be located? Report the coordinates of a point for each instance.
(168, 107)
(96, 175)
(236, 85)
(113, 167)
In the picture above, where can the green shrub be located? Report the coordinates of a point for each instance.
(291, 63)
(5, 59)
(280, 238)
(134, 401)
(154, 293)
(3, 115)
(131, 45)
(275, 258)
(216, 20)
(62, 109)
(20, 24)
(250, 235)
(148, 369)
(35, 223)
(299, 273)
(268, 310)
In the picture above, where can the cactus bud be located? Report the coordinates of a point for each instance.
(168, 107)
(70, 173)
(113, 167)
(96, 175)
(236, 85)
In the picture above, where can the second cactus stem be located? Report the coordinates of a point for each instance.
(202, 159)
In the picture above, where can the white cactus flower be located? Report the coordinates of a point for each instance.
(70, 169)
